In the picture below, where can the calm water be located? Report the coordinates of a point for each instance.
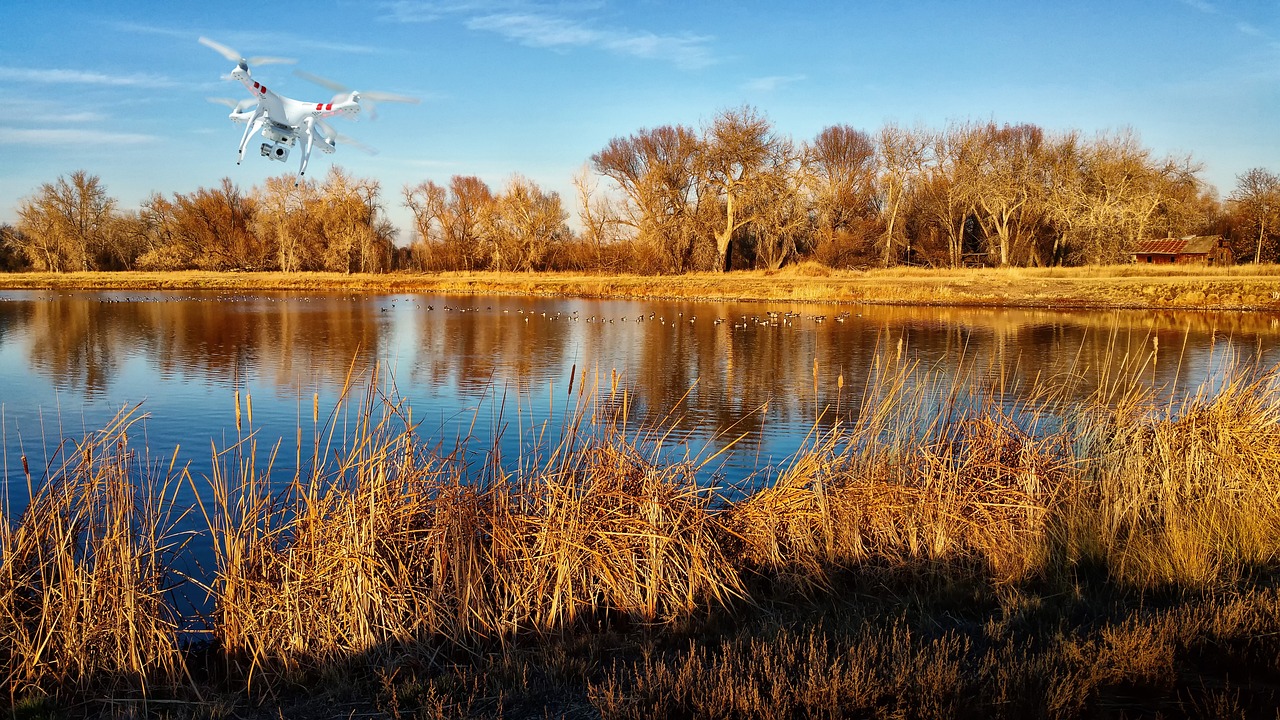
(498, 366)
(498, 369)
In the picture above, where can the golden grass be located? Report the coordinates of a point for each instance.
(380, 545)
(1246, 287)
(386, 544)
(83, 604)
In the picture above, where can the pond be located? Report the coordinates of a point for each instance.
(736, 387)
(498, 369)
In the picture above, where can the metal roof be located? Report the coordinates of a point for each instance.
(1201, 245)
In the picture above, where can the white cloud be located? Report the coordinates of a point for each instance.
(1248, 29)
(1201, 5)
(69, 136)
(56, 76)
(421, 11)
(771, 83)
(556, 27)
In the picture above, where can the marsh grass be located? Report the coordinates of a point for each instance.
(84, 604)
(940, 549)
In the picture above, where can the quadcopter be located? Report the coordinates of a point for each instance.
(285, 122)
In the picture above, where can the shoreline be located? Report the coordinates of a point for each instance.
(1242, 288)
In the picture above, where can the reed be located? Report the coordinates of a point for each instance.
(86, 570)
(386, 543)
(1036, 512)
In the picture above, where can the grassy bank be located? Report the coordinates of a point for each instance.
(1124, 286)
(940, 554)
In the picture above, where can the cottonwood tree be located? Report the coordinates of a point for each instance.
(284, 224)
(11, 256)
(657, 173)
(742, 159)
(902, 155)
(841, 181)
(945, 192)
(602, 230)
(523, 225)
(449, 222)
(208, 229)
(780, 223)
(1256, 199)
(64, 225)
(1007, 182)
(357, 237)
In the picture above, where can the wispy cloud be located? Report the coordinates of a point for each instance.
(558, 27)
(147, 29)
(770, 83)
(70, 117)
(251, 42)
(1201, 5)
(69, 136)
(420, 11)
(58, 76)
(1247, 29)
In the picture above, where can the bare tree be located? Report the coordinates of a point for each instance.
(523, 225)
(841, 178)
(655, 169)
(742, 156)
(1257, 201)
(357, 238)
(1007, 183)
(11, 255)
(903, 154)
(283, 222)
(602, 226)
(64, 225)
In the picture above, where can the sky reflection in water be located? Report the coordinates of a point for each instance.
(490, 366)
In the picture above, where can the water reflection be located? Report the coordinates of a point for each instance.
(716, 365)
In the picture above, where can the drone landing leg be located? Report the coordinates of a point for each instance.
(255, 124)
(309, 125)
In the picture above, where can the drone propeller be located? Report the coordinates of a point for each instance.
(369, 99)
(237, 58)
(239, 107)
(345, 139)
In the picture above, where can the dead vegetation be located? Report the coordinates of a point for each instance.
(940, 552)
(1247, 287)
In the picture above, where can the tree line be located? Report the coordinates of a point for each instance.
(732, 194)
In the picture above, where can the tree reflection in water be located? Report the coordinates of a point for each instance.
(476, 365)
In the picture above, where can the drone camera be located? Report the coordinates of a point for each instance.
(275, 152)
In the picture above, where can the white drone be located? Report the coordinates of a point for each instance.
(284, 121)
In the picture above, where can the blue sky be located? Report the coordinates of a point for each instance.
(118, 89)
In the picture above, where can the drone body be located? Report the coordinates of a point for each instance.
(285, 122)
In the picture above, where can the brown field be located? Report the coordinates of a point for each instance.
(934, 557)
(1246, 287)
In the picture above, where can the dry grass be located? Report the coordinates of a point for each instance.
(385, 544)
(83, 605)
(1246, 287)
(956, 554)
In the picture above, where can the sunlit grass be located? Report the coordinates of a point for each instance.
(1113, 286)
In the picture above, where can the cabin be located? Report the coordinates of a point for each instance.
(1192, 250)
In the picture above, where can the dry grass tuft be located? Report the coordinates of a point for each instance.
(389, 545)
(86, 567)
(1184, 495)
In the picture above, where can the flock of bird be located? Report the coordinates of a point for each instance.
(742, 322)
(768, 319)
